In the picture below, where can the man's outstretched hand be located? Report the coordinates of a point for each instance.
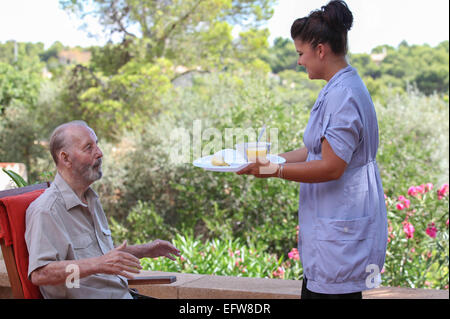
(161, 248)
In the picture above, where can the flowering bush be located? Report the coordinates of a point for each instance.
(417, 254)
(418, 250)
(219, 257)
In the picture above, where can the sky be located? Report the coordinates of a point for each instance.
(376, 22)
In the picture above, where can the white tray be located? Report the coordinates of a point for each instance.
(235, 166)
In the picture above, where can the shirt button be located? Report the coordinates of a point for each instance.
(346, 229)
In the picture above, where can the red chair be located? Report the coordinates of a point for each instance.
(13, 206)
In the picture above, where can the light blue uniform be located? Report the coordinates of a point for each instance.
(343, 223)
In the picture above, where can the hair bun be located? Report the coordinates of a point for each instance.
(337, 15)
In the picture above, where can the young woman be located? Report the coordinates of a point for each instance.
(342, 214)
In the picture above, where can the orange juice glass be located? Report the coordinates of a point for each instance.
(257, 153)
(252, 151)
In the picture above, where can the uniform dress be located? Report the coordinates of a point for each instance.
(343, 223)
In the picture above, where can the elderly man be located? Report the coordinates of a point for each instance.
(67, 231)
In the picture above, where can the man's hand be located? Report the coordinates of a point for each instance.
(159, 248)
(119, 262)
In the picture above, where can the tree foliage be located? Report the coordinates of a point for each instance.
(20, 74)
(415, 65)
(182, 31)
(282, 56)
(420, 65)
(125, 82)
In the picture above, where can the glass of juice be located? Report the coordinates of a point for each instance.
(254, 151)
(257, 153)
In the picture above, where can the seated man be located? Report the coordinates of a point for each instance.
(67, 231)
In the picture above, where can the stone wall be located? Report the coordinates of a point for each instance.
(195, 286)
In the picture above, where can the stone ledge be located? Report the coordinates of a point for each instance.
(194, 286)
(190, 286)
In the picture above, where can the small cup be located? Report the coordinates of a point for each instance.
(253, 151)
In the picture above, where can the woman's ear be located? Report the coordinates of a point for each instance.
(321, 50)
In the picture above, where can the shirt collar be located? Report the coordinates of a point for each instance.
(337, 77)
(70, 198)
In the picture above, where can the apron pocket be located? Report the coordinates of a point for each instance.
(342, 249)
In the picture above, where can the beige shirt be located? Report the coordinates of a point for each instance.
(59, 226)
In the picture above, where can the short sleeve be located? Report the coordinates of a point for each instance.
(342, 125)
(46, 239)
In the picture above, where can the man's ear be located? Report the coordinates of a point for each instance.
(64, 159)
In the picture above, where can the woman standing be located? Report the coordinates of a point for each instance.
(342, 214)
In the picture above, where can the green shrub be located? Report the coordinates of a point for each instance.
(224, 258)
(414, 140)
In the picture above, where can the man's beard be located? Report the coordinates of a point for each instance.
(90, 173)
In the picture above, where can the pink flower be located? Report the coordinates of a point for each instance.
(431, 230)
(404, 202)
(446, 222)
(408, 228)
(279, 272)
(428, 187)
(421, 189)
(442, 191)
(293, 254)
(413, 191)
(407, 203)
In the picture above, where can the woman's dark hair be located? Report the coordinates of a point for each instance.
(329, 24)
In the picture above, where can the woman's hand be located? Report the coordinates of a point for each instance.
(260, 169)
(330, 167)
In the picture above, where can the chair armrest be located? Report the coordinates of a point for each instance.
(152, 280)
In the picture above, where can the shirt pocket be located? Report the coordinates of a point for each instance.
(83, 245)
(342, 249)
(108, 238)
